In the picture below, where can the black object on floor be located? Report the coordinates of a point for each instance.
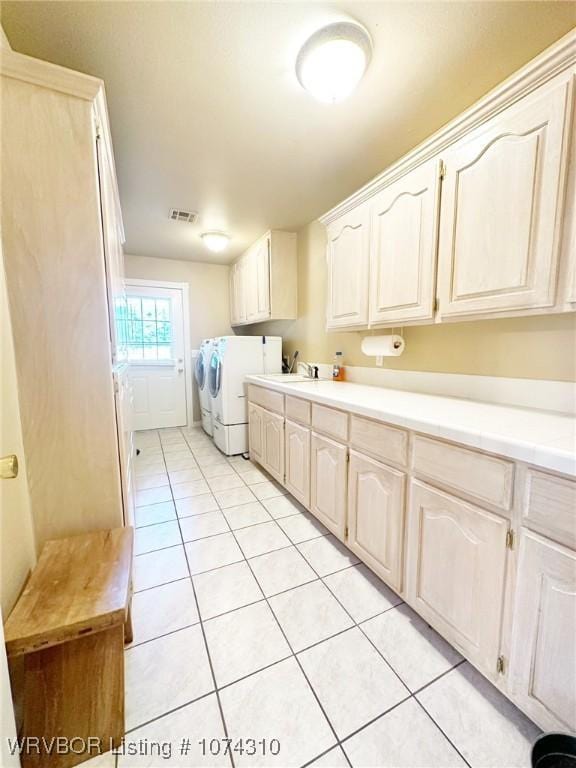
(554, 750)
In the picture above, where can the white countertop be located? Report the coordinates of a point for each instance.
(542, 438)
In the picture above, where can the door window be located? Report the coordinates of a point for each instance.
(200, 371)
(214, 374)
(145, 327)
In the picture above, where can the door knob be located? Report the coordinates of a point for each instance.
(8, 467)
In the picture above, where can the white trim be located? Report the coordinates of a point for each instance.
(185, 288)
(540, 70)
(47, 75)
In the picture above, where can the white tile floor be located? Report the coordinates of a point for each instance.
(251, 622)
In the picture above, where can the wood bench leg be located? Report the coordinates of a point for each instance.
(128, 631)
(75, 690)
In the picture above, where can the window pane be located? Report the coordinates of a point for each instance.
(150, 353)
(134, 308)
(162, 309)
(149, 333)
(148, 309)
(135, 353)
(164, 332)
(136, 335)
(164, 352)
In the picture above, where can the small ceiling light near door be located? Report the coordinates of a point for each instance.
(215, 241)
(332, 61)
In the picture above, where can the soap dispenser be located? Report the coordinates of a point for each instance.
(338, 370)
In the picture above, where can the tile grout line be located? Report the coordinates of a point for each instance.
(205, 640)
(294, 654)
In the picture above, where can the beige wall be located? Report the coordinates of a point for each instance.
(532, 347)
(209, 305)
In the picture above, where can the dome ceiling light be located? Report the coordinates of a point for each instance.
(215, 241)
(332, 61)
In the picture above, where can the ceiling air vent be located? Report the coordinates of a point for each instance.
(188, 217)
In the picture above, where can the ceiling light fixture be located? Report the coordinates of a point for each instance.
(215, 241)
(332, 61)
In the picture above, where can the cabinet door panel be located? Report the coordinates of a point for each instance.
(501, 196)
(328, 483)
(457, 556)
(543, 661)
(256, 432)
(376, 516)
(297, 457)
(250, 284)
(240, 291)
(404, 220)
(273, 429)
(262, 261)
(348, 258)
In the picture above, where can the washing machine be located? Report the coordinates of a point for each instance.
(232, 359)
(201, 371)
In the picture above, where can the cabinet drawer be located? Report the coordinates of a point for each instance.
(550, 506)
(330, 422)
(383, 442)
(297, 409)
(485, 478)
(267, 398)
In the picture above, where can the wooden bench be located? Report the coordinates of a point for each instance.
(65, 642)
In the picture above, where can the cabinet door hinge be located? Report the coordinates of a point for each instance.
(501, 665)
(509, 539)
(436, 306)
(442, 169)
(346, 531)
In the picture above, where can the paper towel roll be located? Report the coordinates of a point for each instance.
(383, 346)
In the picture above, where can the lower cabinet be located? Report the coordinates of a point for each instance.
(456, 571)
(376, 516)
(297, 462)
(446, 556)
(328, 466)
(273, 448)
(543, 657)
(256, 432)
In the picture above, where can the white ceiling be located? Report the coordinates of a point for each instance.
(207, 113)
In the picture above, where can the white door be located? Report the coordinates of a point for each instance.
(376, 516)
(297, 460)
(328, 483)
(348, 253)
(456, 571)
(542, 658)
(155, 342)
(501, 199)
(404, 222)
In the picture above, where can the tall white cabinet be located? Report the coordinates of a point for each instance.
(62, 249)
(477, 222)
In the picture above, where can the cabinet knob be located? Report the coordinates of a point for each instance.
(9, 467)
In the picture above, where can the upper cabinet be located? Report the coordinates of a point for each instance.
(477, 222)
(501, 203)
(263, 282)
(348, 260)
(404, 224)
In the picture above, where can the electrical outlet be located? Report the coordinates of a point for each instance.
(379, 361)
